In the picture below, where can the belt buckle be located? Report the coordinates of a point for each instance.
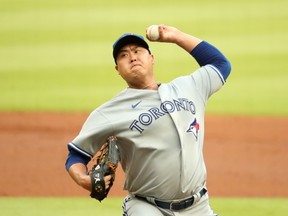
(172, 203)
(181, 204)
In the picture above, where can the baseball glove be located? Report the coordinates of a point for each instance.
(105, 163)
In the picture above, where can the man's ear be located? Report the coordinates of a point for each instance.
(116, 68)
(152, 58)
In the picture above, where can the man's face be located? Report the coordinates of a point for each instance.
(134, 64)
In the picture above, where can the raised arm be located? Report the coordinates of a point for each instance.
(203, 52)
(171, 34)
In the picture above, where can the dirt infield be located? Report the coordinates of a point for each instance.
(245, 156)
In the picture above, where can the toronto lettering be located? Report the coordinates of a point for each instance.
(146, 118)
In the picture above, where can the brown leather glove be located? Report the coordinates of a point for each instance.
(105, 163)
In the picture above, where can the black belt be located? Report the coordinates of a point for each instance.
(175, 205)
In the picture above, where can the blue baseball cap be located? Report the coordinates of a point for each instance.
(128, 38)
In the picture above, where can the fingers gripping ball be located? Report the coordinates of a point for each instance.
(153, 33)
(106, 161)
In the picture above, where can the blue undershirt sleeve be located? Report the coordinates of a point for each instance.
(204, 53)
(75, 157)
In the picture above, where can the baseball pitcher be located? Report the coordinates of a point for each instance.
(159, 129)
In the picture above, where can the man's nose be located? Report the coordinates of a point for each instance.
(133, 57)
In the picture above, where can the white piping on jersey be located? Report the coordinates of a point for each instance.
(72, 145)
(218, 72)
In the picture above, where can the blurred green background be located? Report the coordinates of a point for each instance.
(57, 55)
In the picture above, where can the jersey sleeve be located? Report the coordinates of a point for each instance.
(207, 80)
(92, 135)
(202, 83)
(76, 157)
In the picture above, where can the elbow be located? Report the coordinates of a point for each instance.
(224, 67)
(227, 69)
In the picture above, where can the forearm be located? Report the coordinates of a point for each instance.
(170, 34)
(187, 42)
(203, 52)
(78, 173)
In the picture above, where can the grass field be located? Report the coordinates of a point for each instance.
(112, 206)
(56, 56)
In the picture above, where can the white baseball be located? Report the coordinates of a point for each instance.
(153, 32)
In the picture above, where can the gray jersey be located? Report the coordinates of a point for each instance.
(160, 134)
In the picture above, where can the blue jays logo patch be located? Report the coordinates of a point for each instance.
(194, 128)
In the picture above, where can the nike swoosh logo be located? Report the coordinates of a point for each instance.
(135, 105)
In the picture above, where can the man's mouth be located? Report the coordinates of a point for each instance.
(135, 65)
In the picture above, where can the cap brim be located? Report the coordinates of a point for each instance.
(128, 39)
